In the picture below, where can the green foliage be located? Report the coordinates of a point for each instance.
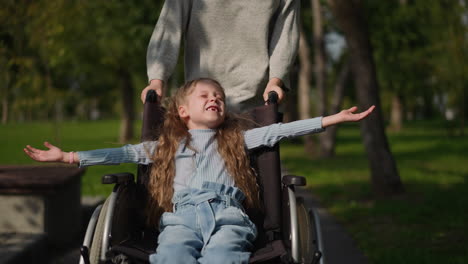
(420, 50)
(425, 225)
(64, 58)
(70, 53)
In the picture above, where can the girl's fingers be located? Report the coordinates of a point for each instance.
(30, 154)
(33, 152)
(48, 145)
(352, 109)
(27, 152)
(371, 109)
(366, 113)
(31, 149)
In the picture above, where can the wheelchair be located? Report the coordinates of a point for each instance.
(288, 231)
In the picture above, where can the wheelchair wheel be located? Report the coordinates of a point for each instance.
(96, 244)
(308, 242)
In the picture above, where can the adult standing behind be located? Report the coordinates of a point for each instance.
(249, 46)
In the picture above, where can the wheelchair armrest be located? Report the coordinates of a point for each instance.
(118, 178)
(295, 180)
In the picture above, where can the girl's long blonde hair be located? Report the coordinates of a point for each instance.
(230, 146)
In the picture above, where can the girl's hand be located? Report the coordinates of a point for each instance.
(54, 154)
(346, 116)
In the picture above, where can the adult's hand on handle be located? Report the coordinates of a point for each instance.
(53, 154)
(274, 85)
(156, 85)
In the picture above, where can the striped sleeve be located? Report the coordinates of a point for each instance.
(272, 134)
(140, 154)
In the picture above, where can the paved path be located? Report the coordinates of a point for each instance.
(339, 247)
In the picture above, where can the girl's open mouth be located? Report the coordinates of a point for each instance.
(213, 108)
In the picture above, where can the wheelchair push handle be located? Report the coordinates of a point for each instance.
(272, 98)
(151, 97)
(153, 115)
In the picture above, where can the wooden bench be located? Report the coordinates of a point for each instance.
(41, 200)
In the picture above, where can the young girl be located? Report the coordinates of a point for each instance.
(202, 189)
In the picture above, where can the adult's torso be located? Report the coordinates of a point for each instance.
(228, 40)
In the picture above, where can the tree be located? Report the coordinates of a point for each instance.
(328, 138)
(397, 30)
(384, 174)
(122, 44)
(320, 74)
(16, 66)
(448, 31)
(77, 52)
(43, 56)
(319, 58)
(304, 81)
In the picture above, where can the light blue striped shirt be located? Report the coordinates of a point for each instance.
(205, 164)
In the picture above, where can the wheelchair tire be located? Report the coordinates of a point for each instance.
(96, 244)
(307, 234)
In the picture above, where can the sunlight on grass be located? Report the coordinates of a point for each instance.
(427, 224)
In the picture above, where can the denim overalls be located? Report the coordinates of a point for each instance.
(208, 225)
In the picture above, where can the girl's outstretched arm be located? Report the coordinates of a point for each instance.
(346, 116)
(53, 154)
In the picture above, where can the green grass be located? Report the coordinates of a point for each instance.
(70, 136)
(427, 224)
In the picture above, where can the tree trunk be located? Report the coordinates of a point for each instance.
(128, 106)
(304, 78)
(319, 58)
(328, 141)
(384, 174)
(462, 112)
(304, 87)
(396, 115)
(5, 108)
(320, 74)
(428, 107)
(291, 112)
(7, 82)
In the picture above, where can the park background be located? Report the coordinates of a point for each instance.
(71, 73)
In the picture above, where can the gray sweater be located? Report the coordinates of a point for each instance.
(240, 43)
(193, 168)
